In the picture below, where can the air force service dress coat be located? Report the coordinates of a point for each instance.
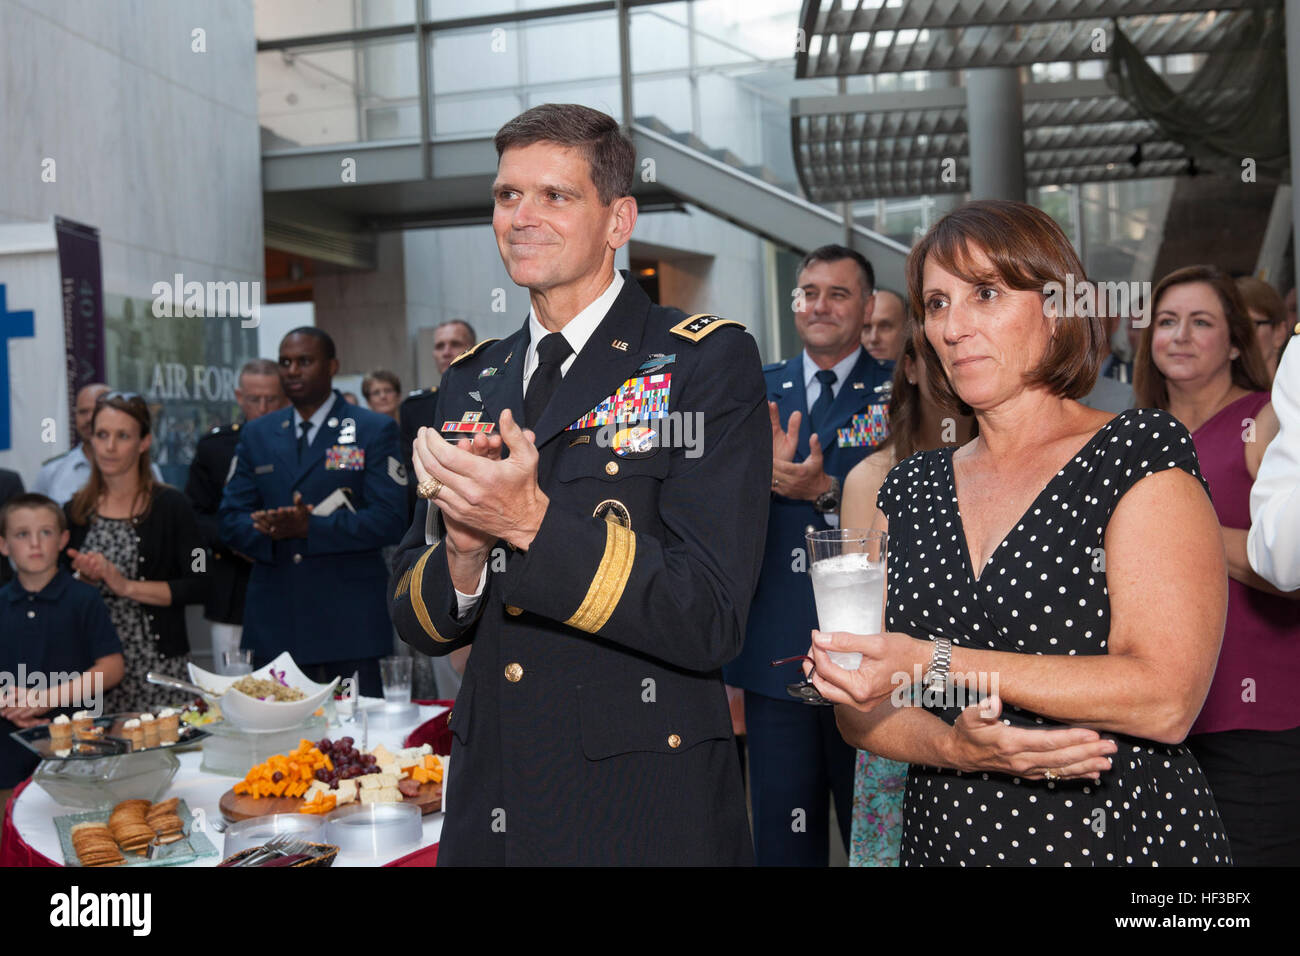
(322, 597)
(783, 612)
(592, 726)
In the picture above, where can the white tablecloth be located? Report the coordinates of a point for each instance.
(34, 811)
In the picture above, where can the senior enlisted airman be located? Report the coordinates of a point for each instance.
(601, 561)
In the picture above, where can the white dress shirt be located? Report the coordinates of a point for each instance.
(813, 388)
(576, 332)
(1273, 544)
(317, 419)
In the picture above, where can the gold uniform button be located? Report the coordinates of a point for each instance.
(611, 468)
(674, 741)
(297, 559)
(514, 611)
(514, 672)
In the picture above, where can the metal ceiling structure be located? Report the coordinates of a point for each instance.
(891, 145)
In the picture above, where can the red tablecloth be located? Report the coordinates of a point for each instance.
(15, 852)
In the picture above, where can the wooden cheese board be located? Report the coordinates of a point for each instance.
(240, 806)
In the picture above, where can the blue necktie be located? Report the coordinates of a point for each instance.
(302, 439)
(823, 404)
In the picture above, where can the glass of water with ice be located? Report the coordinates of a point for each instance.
(848, 578)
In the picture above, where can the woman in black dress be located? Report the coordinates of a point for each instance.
(139, 542)
(1067, 560)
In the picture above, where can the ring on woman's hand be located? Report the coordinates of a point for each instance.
(776, 482)
(1051, 775)
(429, 488)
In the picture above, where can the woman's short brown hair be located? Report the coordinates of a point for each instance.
(1263, 298)
(1248, 369)
(1028, 251)
(380, 375)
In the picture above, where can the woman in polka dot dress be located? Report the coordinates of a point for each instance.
(1070, 564)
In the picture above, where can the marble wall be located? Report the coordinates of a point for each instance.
(152, 128)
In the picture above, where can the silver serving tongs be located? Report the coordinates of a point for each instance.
(175, 683)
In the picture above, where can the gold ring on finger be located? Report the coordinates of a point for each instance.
(429, 488)
(1051, 775)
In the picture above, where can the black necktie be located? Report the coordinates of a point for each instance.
(820, 407)
(302, 438)
(552, 350)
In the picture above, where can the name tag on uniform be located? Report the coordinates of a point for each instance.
(637, 400)
(866, 430)
(263, 469)
(345, 458)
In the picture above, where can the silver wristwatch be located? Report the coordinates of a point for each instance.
(828, 502)
(936, 678)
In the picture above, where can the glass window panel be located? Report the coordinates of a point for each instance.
(475, 115)
(667, 100)
(313, 96)
(474, 59)
(284, 19)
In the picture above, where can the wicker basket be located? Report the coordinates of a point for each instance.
(327, 853)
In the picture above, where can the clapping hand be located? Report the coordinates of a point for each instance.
(93, 567)
(290, 521)
(483, 497)
(805, 481)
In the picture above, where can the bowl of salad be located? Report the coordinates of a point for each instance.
(274, 698)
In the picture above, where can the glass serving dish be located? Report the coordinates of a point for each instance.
(105, 781)
(257, 830)
(379, 831)
(194, 845)
(112, 743)
(230, 751)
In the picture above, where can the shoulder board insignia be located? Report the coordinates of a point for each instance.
(53, 458)
(697, 326)
(774, 367)
(470, 351)
(216, 430)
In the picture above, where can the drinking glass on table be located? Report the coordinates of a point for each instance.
(395, 673)
(236, 662)
(848, 578)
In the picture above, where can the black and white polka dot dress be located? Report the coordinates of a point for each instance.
(1043, 591)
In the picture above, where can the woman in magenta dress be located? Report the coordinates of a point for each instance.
(1200, 361)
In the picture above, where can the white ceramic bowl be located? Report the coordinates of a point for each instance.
(265, 716)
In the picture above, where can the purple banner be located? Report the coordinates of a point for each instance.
(83, 308)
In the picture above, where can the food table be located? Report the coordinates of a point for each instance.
(30, 838)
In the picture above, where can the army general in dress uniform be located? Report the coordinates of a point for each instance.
(318, 490)
(602, 574)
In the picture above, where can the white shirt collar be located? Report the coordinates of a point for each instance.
(576, 331)
(317, 416)
(841, 369)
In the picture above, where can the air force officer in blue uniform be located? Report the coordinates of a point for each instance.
(827, 410)
(317, 490)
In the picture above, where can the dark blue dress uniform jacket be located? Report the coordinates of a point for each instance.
(321, 597)
(592, 726)
(783, 613)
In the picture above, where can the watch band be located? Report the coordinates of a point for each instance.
(828, 502)
(936, 677)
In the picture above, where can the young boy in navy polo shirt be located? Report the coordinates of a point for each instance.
(50, 624)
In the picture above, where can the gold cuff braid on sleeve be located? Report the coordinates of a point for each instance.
(610, 581)
(417, 598)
